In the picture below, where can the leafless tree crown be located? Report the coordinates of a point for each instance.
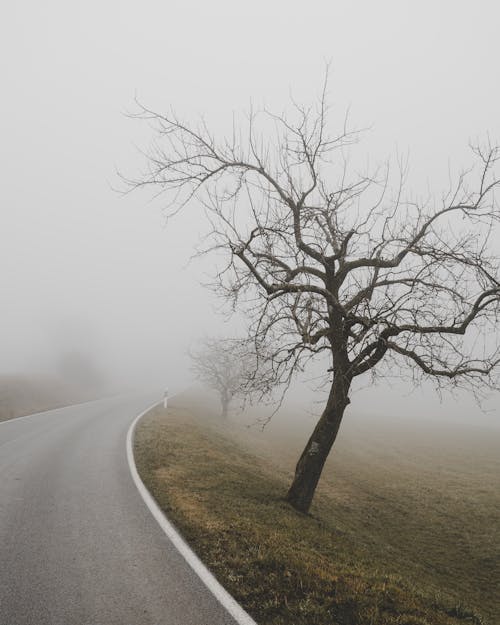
(324, 260)
(216, 363)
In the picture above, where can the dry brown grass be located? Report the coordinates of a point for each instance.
(23, 395)
(387, 542)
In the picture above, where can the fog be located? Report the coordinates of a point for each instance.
(86, 269)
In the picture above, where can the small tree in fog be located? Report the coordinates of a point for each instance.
(221, 366)
(333, 264)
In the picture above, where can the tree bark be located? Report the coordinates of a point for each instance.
(313, 458)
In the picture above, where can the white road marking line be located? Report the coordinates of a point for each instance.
(14, 419)
(37, 414)
(219, 592)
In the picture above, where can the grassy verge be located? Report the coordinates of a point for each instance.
(337, 566)
(20, 396)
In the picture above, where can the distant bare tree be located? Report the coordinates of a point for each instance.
(322, 261)
(222, 367)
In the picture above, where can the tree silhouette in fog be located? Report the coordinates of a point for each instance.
(325, 260)
(223, 366)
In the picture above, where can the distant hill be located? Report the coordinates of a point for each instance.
(23, 395)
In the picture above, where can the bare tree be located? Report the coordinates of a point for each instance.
(222, 366)
(323, 261)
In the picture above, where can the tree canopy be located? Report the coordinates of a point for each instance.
(326, 260)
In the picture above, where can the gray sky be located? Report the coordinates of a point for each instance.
(82, 266)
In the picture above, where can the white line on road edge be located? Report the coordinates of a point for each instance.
(43, 412)
(219, 592)
(26, 416)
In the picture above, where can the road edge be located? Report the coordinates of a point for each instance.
(218, 591)
(42, 412)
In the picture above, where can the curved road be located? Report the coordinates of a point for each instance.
(77, 544)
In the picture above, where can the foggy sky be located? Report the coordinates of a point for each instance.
(84, 267)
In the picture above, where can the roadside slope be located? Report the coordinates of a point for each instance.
(24, 395)
(339, 565)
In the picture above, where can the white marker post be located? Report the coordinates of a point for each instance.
(165, 399)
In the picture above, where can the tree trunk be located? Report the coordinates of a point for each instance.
(224, 400)
(313, 458)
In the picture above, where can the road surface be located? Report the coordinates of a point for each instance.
(77, 544)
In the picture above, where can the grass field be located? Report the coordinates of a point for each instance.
(404, 528)
(22, 395)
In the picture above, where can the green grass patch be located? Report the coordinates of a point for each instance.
(351, 562)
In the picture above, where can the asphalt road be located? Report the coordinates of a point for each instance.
(77, 544)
